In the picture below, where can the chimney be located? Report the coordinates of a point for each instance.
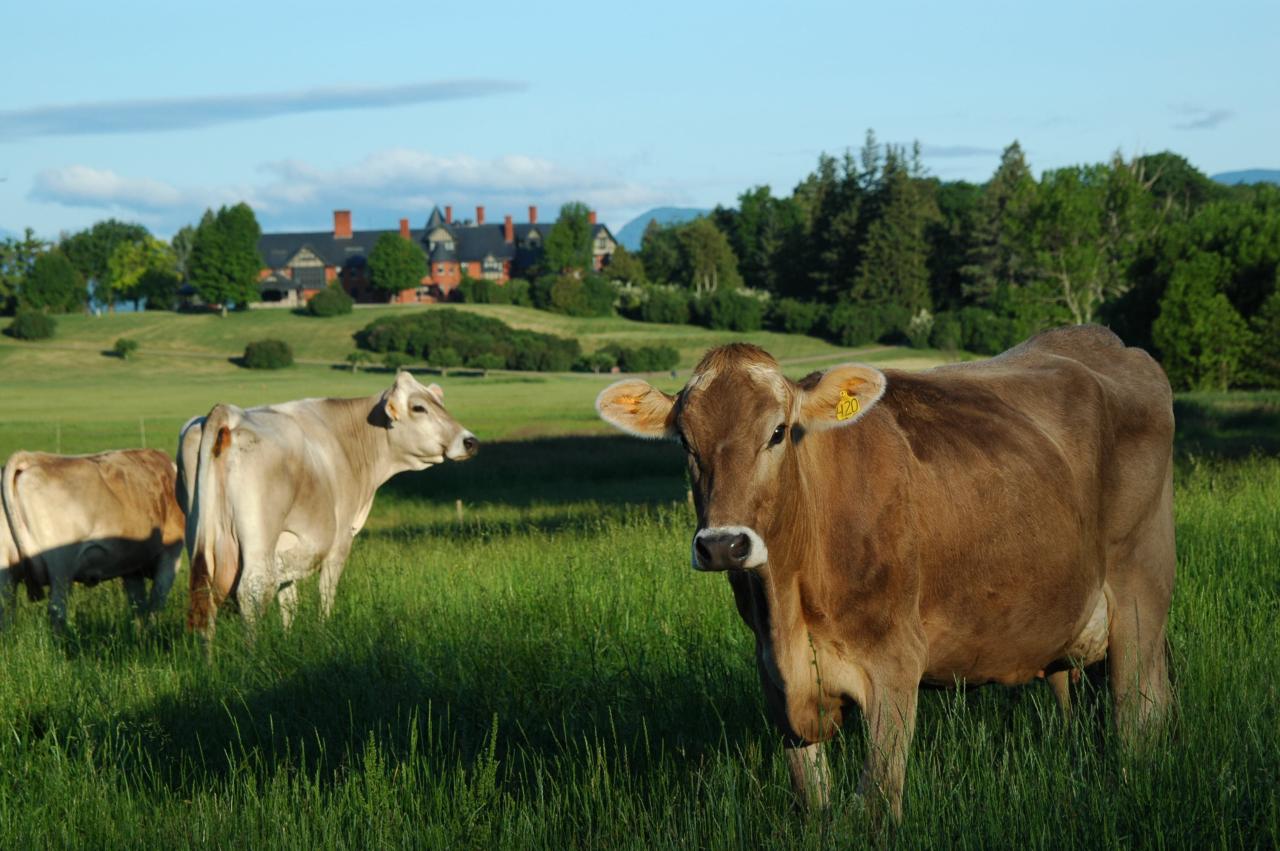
(404, 228)
(508, 230)
(448, 215)
(342, 224)
(591, 218)
(533, 214)
(479, 215)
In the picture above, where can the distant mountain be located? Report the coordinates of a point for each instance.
(1249, 175)
(633, 231)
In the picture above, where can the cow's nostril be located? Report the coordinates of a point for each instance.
(469, 443)
(740, 547)
(704, 554)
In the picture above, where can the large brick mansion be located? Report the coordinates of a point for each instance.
(298, 265)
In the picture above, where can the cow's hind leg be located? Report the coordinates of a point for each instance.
(59, 593)
(1141, 581)
(165, 573)
(135, 590)
(257, 589)
(8, 592)
(1060, 683)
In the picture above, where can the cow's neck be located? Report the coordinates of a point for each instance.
(365, 444)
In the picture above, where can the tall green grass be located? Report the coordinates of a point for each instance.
(546, 671)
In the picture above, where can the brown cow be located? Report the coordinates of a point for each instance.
(982, 522)
(85, 518)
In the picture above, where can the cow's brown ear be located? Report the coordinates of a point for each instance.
(841, 396)
(637, 408)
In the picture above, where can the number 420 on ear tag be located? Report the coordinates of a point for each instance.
(847, 406)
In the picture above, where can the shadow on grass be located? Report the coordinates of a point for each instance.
(1228, 425)
(554, 470)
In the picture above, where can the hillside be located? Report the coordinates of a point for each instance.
(1249, 175)
(630, 235)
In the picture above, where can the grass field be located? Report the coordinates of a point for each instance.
(546, 671)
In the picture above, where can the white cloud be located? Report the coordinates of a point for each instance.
(380, 188)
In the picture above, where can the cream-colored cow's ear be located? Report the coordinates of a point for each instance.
(436, 390)
(841, 396)
(396, 400)
(637, 408)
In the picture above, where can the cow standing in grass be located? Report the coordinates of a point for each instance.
(983, 522)
(277, 493)
(86, 518)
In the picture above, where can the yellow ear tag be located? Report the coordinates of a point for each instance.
(847, 406)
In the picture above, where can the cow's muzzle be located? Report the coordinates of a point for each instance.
(728, 548)
(463, 447)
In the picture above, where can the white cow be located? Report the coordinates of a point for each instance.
(277, 493)
(86, 518)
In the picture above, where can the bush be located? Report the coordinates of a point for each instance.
(985, 332)
(330, 301)
(665, 304)
(1263, 358)
(1201, 337)
(588, 296)
(31, 325)
(445, 357)
(919, 329)
(601, 361)
(470, 336)
(849, 324)
(792, 316)
(727, 310)
(487, 361)
(124, 347)
(396, 360)
(268, 354)
(947, 334)
(648, 359)
(518, 292)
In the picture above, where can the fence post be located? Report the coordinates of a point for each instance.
(457, 506)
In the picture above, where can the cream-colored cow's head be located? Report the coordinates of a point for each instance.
(420, 430)
(740, 420)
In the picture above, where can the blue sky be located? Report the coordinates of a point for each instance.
(153, 111)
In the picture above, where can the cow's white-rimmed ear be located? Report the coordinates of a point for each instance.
(436, 390)
(396, 400)
(636, 407)
(842, 395)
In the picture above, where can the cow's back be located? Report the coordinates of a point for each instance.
(1021, 469)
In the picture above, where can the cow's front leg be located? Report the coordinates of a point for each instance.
(890, 713)
(135, 590)
(59, 593)
(330, 572)
(810, 774)
(287, 596)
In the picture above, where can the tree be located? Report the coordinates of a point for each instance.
(660, 252)
(396, 264)
(707, 259)
(17, 256)
(224, 262)
(90, 253)
(1263, 358)
(1201, 337)
(568, 245)
(182, 243)
(137, 265)
(894, 267)
(53, 285)
(625, 267)
(1001, 252)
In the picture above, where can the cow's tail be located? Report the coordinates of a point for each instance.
(214, 549)
(29, 561)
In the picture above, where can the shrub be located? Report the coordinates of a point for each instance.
(268, 354)
(445, 358)
(356, 358)
(1201, 337)
(396, 360)
(330, 301)
(483, 291)
(517, 290)
(124, 347)
(487, 361)
(919, 329)
(947, 334)
(470, 336)
(727, 310)
(648, 359)
(601, 361)
(588, 296)
(665, 304)
(849, 324)
(30, 324)
(793, 316)
(985, 332)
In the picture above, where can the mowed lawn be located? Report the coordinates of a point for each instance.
(546, 671)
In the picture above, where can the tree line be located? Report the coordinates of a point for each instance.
(869, 247)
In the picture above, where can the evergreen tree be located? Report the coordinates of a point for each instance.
(894, 268)
(1001, 252)
(1263, 358)
(224, 262)
(17, 256)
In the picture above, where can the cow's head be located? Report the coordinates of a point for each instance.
(740, 422)
(420, 430)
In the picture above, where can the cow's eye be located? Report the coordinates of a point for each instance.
(778, 433)
(419, 409)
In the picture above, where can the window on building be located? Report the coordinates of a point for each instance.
(491, 269)
(440, 269)
(309, 277)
